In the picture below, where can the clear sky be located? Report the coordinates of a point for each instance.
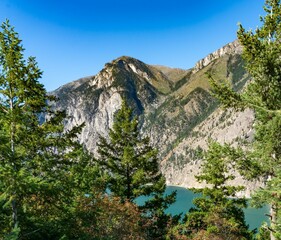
(75, 38)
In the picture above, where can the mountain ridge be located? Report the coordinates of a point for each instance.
(172, 105)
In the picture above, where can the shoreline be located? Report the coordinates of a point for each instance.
(242, 194)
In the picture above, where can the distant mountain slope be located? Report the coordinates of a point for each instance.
(176, 108)
(174, 74)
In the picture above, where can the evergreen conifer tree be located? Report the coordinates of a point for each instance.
(39, 161)
(129, 160)
(133, 171)
(218, 213)
(261, 52)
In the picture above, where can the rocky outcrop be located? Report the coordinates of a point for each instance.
(94, 100)
(230, 48)
(175, 107)
(222, 126)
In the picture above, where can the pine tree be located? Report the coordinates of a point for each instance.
(129, 160)
(132, 167)
(38, 160)
(217, 213)
(261, 52)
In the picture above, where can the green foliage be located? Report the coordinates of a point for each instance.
(50, 187)
(132, 168)
(264, 232)
(217, 214)
(98, 216)
(40, 162)
(130, 162)
(261, 53)
(14, 235)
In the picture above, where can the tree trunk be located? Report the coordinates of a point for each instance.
(12, 142)
(15, 213)
(129, 195)
(272, 222)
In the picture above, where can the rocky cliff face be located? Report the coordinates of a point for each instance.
(176, 108)
(94, 100)
(183, 163)
(230, 49)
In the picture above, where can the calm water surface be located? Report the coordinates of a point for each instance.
(254, 217)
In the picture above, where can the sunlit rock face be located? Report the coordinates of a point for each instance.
(230, 49)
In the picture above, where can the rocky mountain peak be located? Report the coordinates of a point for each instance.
(133, 65)
(175, 106)
(230, 48)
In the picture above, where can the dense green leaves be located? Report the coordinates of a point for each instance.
(50, 187)
(39, 161)
(217, 213)
(129, 160)
(132, 168)
(261, 52)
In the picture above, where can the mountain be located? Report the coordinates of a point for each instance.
(176, 108)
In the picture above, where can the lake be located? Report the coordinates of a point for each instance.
(254, 217)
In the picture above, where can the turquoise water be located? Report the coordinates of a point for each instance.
(254, 217)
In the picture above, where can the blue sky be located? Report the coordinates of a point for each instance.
(74, 39)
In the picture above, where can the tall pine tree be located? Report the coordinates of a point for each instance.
(261, 52)
(218, 213)
(38, 160)
(132, 167)
(130, 161)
